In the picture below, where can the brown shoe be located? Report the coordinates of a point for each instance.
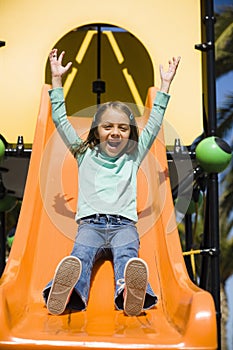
(136, 279)
(66, 276)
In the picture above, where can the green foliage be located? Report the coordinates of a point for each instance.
(224, 64)
(224, 41)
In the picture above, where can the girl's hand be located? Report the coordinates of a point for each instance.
(57, 69)
(167, 77)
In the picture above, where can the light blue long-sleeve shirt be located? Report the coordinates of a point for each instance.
(108, 185)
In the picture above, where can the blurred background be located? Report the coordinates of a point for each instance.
(224, 93)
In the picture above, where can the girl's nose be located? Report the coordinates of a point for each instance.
(115, 131)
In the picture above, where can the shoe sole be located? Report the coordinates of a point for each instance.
(66, 276)
(136, 279)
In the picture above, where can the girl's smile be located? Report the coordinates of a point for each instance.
(113, 132)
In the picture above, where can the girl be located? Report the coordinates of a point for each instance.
(108, 162)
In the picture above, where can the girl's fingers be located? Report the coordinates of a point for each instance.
(53, 54)
(177, 60)
(61, 56)
(67, 67)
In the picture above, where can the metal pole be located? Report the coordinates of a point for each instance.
(188, 244)
(98, 61)
(209, 86)
(98, 86)
(2, 243)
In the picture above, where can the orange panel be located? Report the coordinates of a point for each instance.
(185, 315)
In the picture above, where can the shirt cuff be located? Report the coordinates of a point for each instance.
(57, 94)
(161, 99)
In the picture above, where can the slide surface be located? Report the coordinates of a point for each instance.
(184, 317)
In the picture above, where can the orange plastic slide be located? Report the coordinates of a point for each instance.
(184, 317)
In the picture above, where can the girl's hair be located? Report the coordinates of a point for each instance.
(92, 139)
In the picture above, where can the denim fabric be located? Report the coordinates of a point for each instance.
(101, 236)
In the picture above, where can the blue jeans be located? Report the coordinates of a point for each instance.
(101, 236)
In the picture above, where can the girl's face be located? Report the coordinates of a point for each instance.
(113, 132)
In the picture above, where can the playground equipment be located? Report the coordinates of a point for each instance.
(185, 315)
(213, 154)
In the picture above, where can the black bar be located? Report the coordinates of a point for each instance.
(2, 243)
(98, 61)
(188, 244)
(13, 152)
(211, 230)
(209, 21)
(205, 264)
(215, 242)
(182, 156)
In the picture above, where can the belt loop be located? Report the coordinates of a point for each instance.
(97, 217)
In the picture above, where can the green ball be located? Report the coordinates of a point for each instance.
(213, 154)
(2, 149)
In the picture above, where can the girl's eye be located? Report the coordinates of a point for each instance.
(123, 128)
